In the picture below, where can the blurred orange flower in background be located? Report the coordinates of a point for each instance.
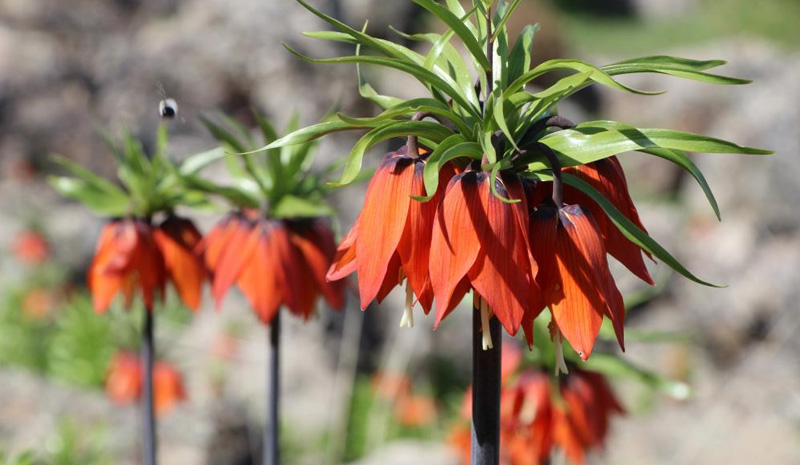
(31, 247)
(273, 263)
(125, 381)
(127, 259)
(538, 414)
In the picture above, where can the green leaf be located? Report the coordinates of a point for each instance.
(673, 66)
(696, 65)
(245, 194)
(369, 93)
(500, 28)
(681, 159)
(94, 181)
(408, 108)
(591, 141)
(310, 133)
(453, 147)
(194, 163)
(520, 59)
(290, 206)
(223, 135)
(432, 131)
(443, 83)
(597, 75)
(98, 201)
(630, 230)
(616, 367)
(678, 157)
(462, 31)
(385, 47)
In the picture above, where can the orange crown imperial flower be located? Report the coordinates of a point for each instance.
(537, 416)
(273, 263)
(391, 240)
(126, 378)
(127, 260)
(480, 242)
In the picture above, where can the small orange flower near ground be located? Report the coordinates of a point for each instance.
(38, 303)
(31, 247)
(124, 383)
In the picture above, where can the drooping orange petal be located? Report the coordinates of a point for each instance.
(289, 270)
(582, 267)
(124, 380)
(543, 230)
(215, 242)
(104, 286)
(258, 281)
(177, 239)
(381, 223)
(168, 387)
(344, 261)
(415, 244)
(316, 245)
(455, 243)
(240, 246)
(608, 178)
(501, 272)
(391, 279)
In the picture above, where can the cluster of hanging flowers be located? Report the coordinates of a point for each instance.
(273, 263)
(539, 414)
(517, 258)
(133, 256)
(494, 193)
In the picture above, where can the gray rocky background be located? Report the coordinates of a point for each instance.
(67, 66)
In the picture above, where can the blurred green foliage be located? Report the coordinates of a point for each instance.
(72, 444)
(774, 20)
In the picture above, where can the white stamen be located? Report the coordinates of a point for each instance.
(528, 411)
(486, 333)
(408, 314)
(561, 364)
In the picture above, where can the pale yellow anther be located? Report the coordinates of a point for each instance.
(486, 314)
(408, 314)
(561, 364)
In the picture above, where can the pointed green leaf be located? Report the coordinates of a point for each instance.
(196, 162)
(310, 133)
(520, 59)
(686, 63)
(630, 230)
(455, 23)
(616, 367)
(431, 131)
(587, 143)
(290, 206)
(443, 83)
(96, 200)
(597, 75)
(453, 147)
(677, 70)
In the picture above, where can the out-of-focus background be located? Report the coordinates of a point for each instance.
(356, 388)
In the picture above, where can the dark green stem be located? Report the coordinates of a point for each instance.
(148, 412)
